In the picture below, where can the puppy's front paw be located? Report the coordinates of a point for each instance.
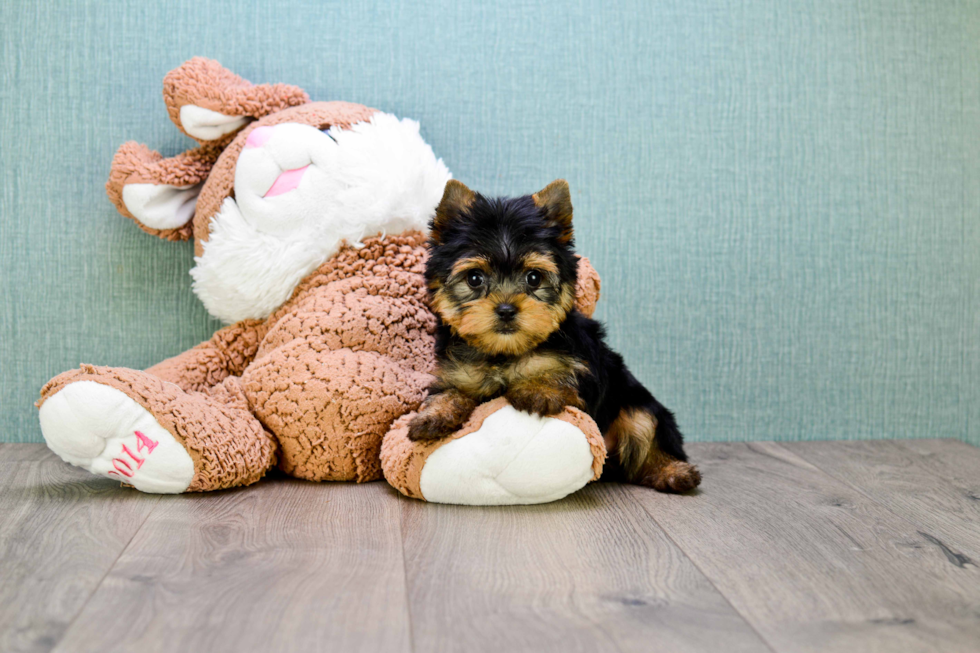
(441, 414)
(429, 426)
(543, 400)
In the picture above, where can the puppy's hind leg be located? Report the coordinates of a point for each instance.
(638, 457)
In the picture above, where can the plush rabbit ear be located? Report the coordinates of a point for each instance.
(206, 125)
(161, 206)
(159, 194)
(210, 103)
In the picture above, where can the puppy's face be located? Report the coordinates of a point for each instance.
(501, 272)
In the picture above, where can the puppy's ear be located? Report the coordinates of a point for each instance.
(555, 202)
(456, 199)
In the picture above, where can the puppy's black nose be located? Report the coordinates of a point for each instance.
(506, 312)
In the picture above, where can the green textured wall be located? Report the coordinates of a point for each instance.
(783, 198)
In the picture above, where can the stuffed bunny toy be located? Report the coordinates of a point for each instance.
(309, 223)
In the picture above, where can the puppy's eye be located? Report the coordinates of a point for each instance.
(475, 279)
(533, 279)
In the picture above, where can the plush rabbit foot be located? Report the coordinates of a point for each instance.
(501, 456)
(132, 427)
(100, 429)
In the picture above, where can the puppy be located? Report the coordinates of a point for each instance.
(501, 275)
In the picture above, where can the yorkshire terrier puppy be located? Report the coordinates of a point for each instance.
(501, 275)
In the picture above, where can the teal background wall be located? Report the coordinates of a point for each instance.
(783, 198)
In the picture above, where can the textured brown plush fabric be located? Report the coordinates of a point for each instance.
(576, 417)
(208, 84)
(349, 353)
(403, 460)
(227, 353)
(587, 290)
(323, 378)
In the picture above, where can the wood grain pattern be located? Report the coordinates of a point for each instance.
(282, 565)
(590, 573)
(813, 564)
(61, 530)
(919, 488)
(958, 462)
(25, 453)
(845, 546)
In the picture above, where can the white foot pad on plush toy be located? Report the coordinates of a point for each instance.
(100, 429)
(513, 458)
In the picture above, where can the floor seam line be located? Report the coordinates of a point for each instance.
(708, 578)
(402, 501)
(108, 571)
(908, 519)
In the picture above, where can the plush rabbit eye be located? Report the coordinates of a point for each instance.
(475, 279)
(533, 279)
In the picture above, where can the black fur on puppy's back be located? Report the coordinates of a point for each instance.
(609, 387)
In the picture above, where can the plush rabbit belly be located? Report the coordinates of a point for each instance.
(309, 222)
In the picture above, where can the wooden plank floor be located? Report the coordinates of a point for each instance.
(818, 546)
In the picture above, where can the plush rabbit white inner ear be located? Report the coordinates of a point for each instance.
(208, 125)
(160, 206)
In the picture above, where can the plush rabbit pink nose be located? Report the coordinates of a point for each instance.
(258, 137)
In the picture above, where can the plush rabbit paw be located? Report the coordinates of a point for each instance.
(500, 456)
(104, 431)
